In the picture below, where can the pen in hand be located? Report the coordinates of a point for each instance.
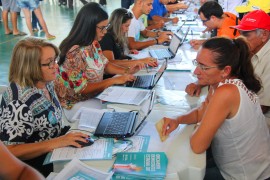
(146, 66)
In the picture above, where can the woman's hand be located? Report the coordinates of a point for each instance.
(193, 89)
(137, 67)
(169, 126)
(150, 61)
(133, 51)
(196, 43)
(123, 79)
(70, 139)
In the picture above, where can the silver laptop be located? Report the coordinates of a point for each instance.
(182, 11)
(170, 52)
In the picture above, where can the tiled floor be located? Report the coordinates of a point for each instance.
(59, 21)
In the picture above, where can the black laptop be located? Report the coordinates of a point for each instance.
(123, 124)
(148, 81)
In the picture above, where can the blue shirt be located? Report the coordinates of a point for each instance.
(159, 9)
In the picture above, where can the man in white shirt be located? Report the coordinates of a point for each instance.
(137, 27)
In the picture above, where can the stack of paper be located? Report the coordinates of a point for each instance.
(124, 95)
(140, 165)
(78, 170)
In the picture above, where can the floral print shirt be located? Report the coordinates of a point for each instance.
(82, 65)
(27, 116)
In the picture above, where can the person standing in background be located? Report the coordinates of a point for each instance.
(32, 5)
(11, 6)
(35, 22)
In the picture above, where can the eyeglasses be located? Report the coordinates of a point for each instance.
(103, 28)
(52, 62)
(204, 21)
(201, 66)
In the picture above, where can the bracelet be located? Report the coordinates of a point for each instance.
(127, 70)
(156, 40)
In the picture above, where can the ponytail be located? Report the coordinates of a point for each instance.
(246, 70)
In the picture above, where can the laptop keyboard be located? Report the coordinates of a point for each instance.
(161, 53)
(118, 123)
(141, 82)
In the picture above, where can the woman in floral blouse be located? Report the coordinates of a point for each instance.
(30, 112)
(82, 63)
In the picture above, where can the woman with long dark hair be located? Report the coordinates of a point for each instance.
(82, 63)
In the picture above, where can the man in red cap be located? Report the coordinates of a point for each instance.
(255, 26)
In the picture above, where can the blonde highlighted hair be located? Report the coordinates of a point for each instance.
(117, 19)
(25, 66)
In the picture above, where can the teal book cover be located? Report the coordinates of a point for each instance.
(145, 165)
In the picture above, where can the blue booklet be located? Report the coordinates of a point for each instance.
(140, 165)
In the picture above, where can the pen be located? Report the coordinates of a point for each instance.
(146, 66)
(191, 34)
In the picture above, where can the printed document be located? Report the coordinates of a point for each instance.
(101, 149)
(124, 95)
(88, 118)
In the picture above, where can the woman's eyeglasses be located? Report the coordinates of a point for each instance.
(103, 28)
(52, 62)
(201, 66)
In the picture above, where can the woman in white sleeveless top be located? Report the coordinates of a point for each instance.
(230, 118)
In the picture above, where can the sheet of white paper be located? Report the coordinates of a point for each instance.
(124, 95)
(89, 118)
(140, 55)
(77, 170)
(96, 151)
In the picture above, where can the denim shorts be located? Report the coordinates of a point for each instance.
(28, 4)
(10, 5)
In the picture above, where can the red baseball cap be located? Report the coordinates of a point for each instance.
(257, 19)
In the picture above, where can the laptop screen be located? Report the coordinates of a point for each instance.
(174, 44)
(184, 35)
(160, 71)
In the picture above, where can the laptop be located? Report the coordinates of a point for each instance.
(182, 11)
(123, 124)
(170, 52)
(148, 81)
